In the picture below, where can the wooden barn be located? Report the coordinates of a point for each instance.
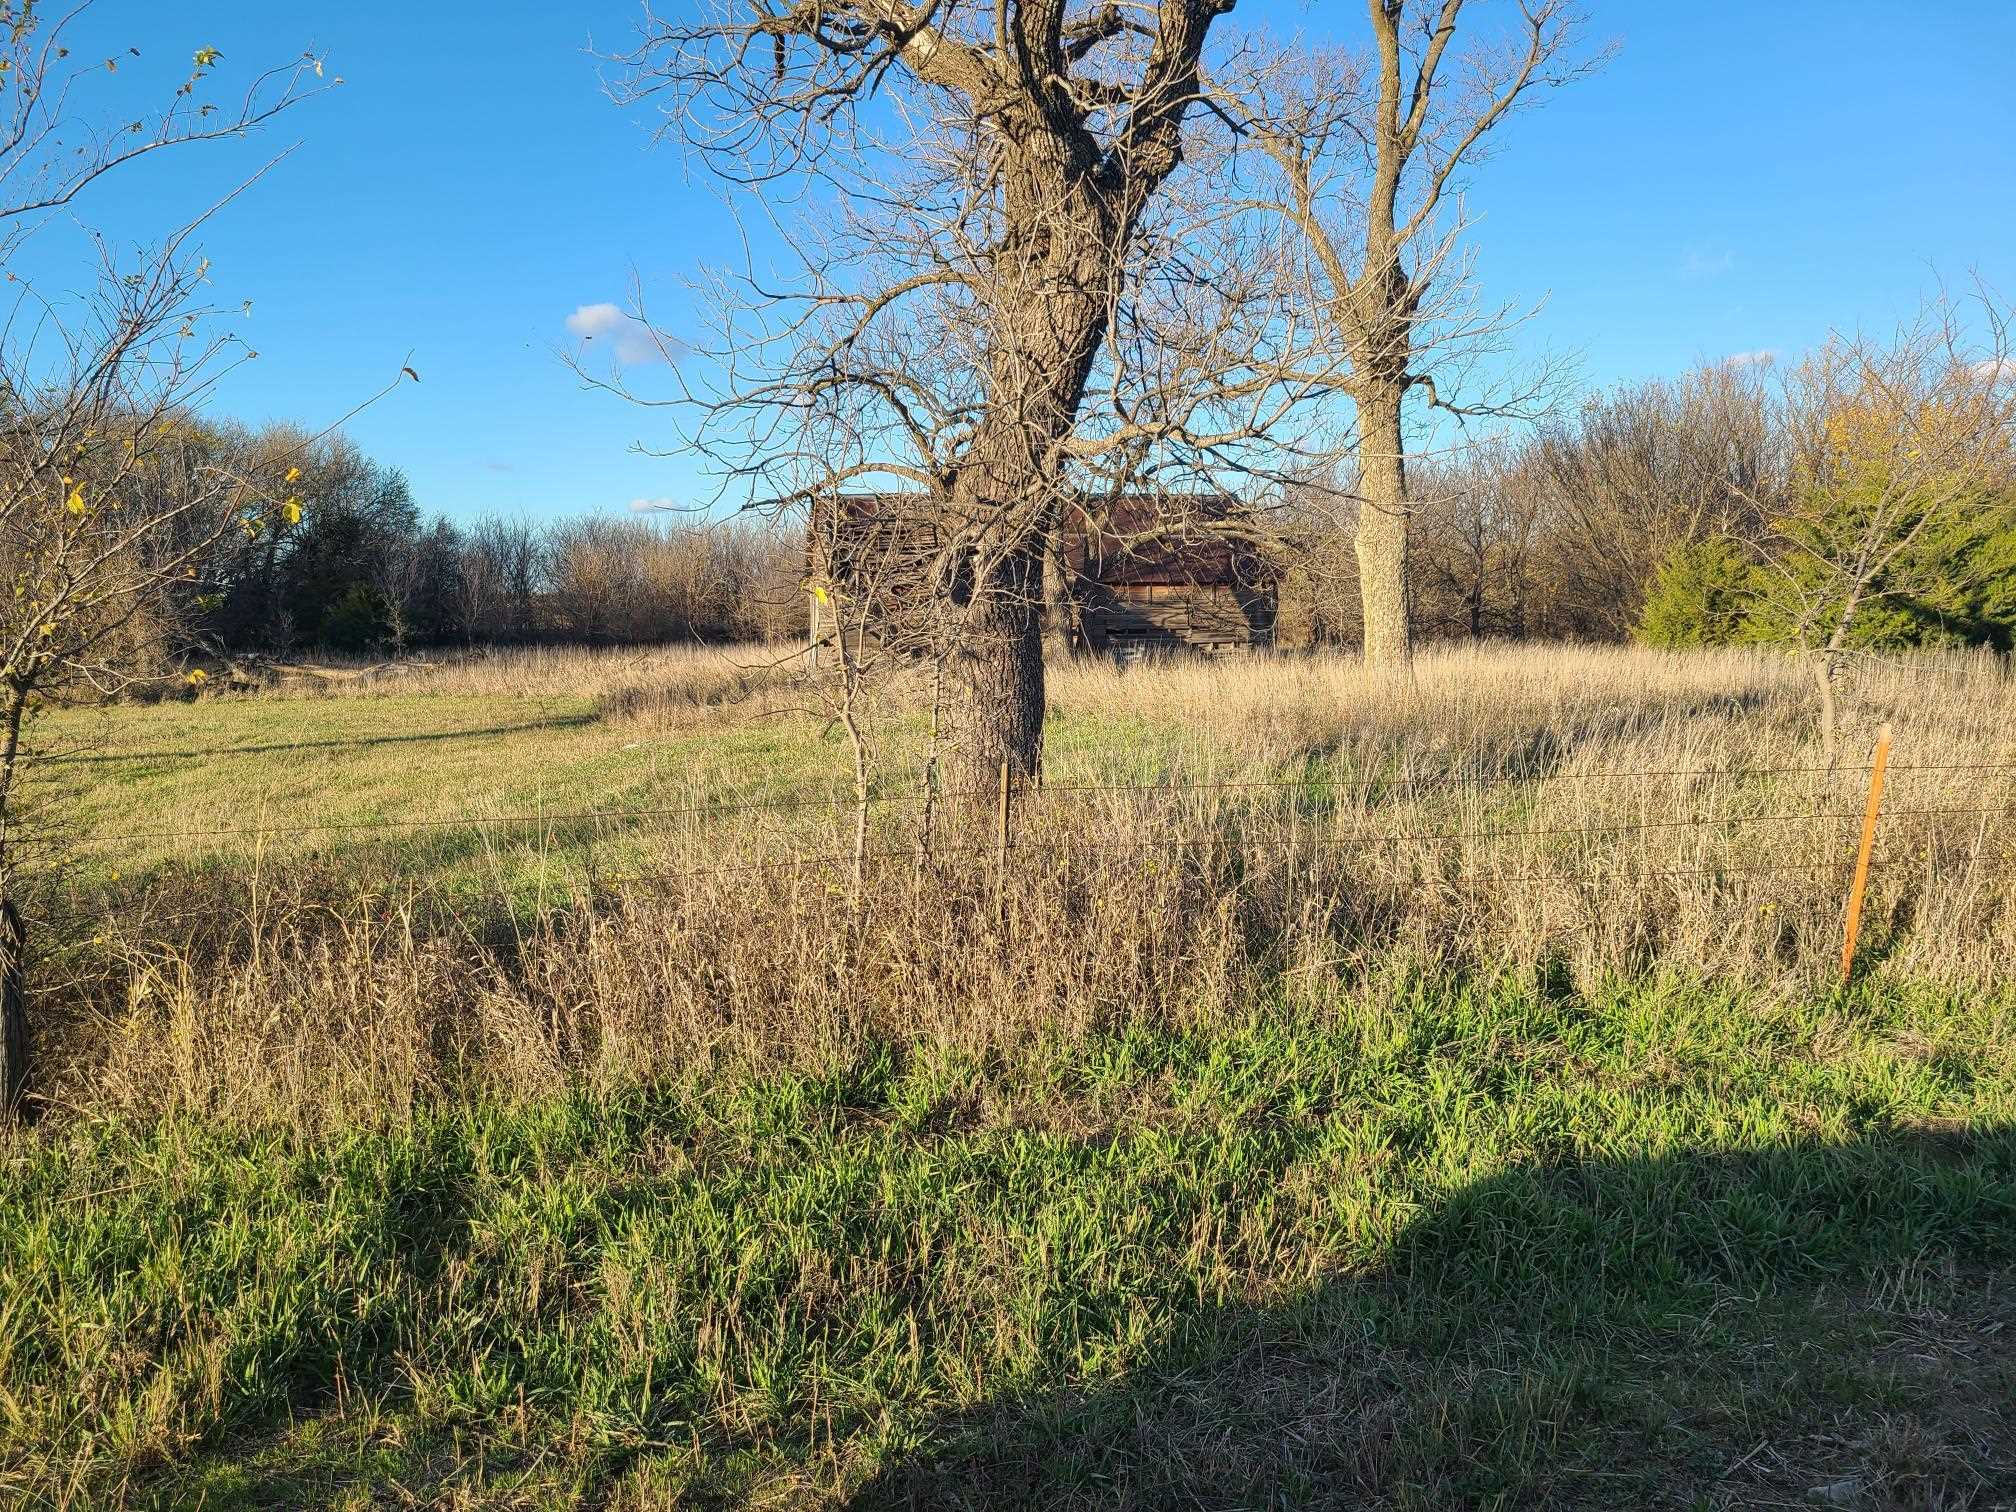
(1154, 578)
(1129, 577)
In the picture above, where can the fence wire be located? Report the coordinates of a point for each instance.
(837, 806)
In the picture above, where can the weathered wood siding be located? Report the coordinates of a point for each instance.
(1210, 617)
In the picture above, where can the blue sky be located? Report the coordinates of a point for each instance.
(1741, 178)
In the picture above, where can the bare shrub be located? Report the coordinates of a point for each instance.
(643, 582)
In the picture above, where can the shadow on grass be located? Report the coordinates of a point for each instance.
(99, 758)
(1685, 1329)
(1817, 1324)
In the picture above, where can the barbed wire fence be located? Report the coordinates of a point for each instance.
(1315, 787)
(1315, 799)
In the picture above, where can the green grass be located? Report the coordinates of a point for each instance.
(190, 780)
(230, 763)
(1478, 1242)
(172, 772)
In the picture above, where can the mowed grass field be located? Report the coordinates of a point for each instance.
(484, 776)
(1449, 1105)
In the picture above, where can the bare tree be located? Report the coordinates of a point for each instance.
(1473, 561)
(1370, 153)
(400, 582)
(771, 602)
(1637, 473)
(478, 594)
(1893, 441)
(502, 565)
(107, 512)
(1014, 300)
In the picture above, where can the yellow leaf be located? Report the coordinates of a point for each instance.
(75, 503)
(820, 594)
(293, 475)
(292, 510)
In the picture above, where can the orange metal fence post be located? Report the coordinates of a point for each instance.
(1861, 882)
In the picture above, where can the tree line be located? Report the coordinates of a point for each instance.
(355, 566)
(1860, 498)
(1731, 504)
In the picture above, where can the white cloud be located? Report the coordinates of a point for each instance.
(1762, 357)
(1996, 368)
(651, 506)
(607, 325)
(1700, 264)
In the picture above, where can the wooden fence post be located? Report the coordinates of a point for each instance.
(13, 1013)
(1856, 888)
(1001, 855)
(928, 812)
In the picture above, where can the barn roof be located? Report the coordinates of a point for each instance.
(1159, 541)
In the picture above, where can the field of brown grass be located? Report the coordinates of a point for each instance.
(490, 1087)
(668, 874)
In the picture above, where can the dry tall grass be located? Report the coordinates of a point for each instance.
(1483, 702)
(1609, 708)
(1578, 813)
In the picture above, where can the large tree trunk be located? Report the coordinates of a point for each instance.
(1382, 527)
(993, 635)
(1069, 209)
(1006, 500)
(996, 713)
